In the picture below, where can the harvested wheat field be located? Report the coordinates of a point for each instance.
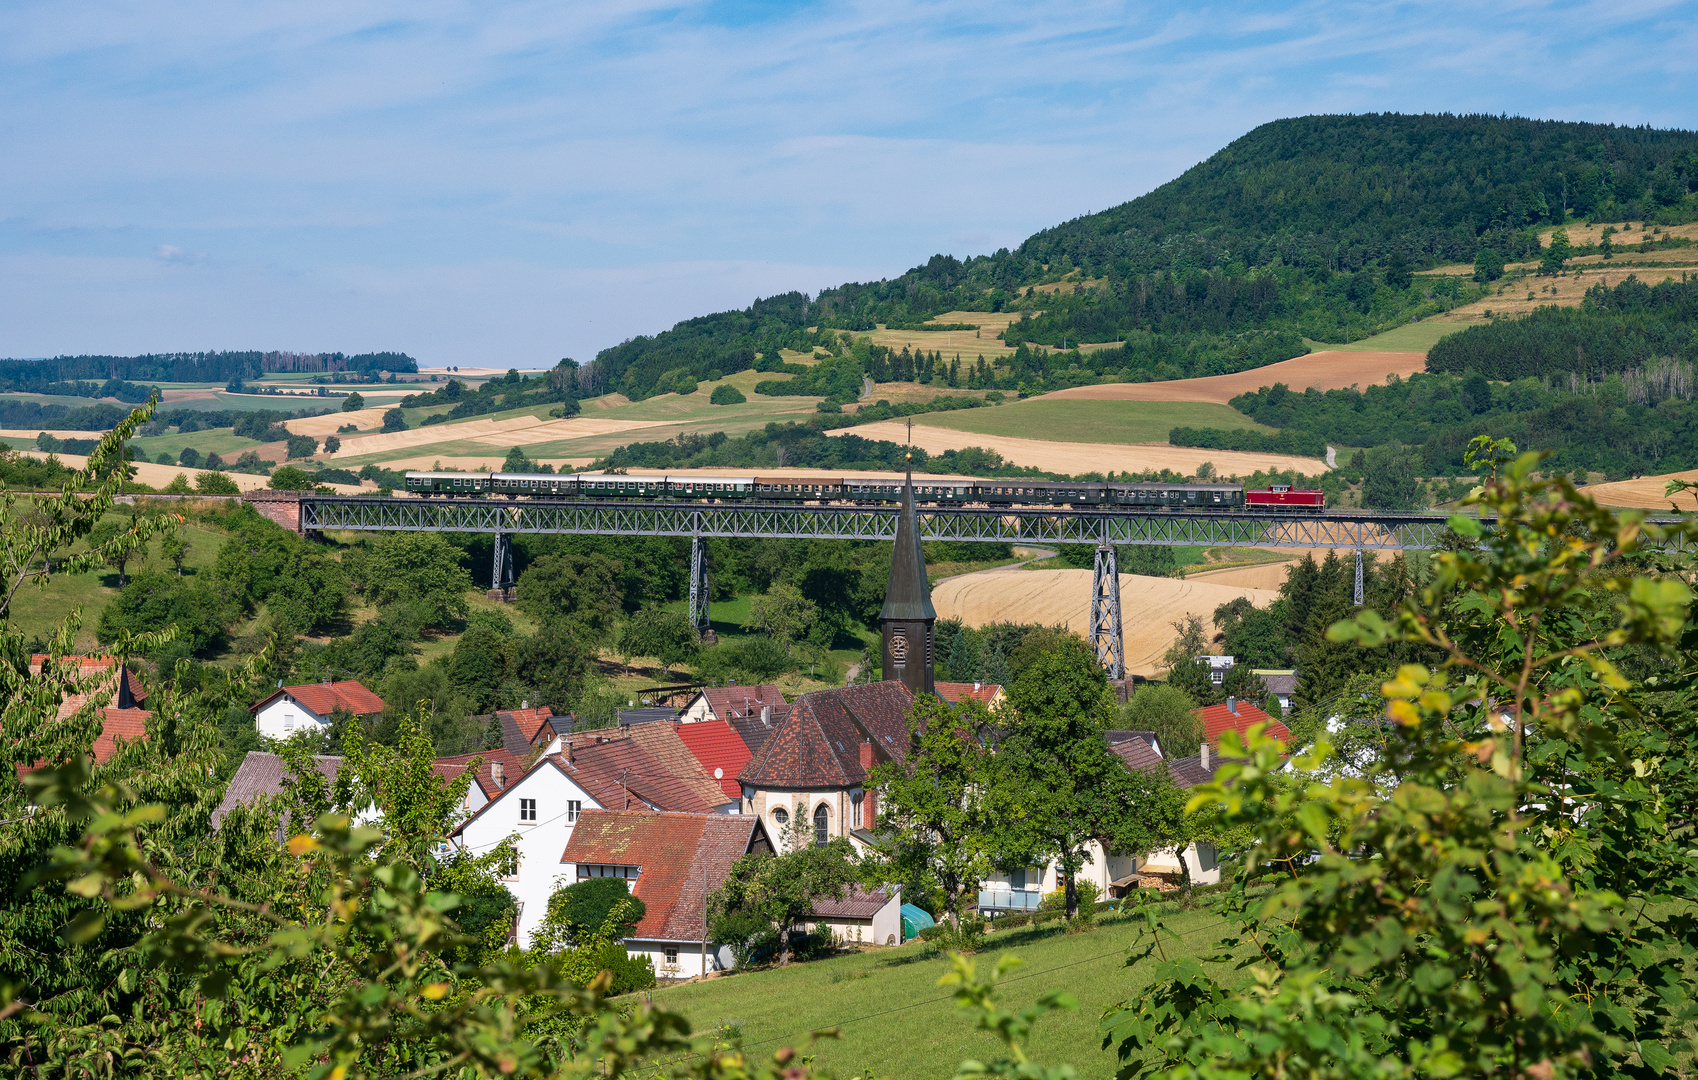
(328, 424)
(1148, 605)
(160, 475)
(500, 434)
(1330, 370)
(1269, 575)
(31, 433)
(1645, 492)
(1073, 458)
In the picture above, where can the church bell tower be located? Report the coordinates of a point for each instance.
(908, 617)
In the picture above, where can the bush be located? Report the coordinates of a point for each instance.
(726, 394)
(756, 659)
(1057, 900)
(215, 483)
(289, 478)
(685, 386)
(190, 458)
(353, 401)
(153, 600)
(583, 907)
(332, 444)
(394, 420)
(301, 446)
(629, 973)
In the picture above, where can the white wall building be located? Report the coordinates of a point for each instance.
(290, 710)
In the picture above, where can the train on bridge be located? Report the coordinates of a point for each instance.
(928, 490)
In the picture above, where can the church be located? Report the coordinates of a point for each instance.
(807, 780)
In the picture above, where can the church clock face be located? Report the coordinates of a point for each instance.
(898, 647)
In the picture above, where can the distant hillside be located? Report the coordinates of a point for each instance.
(1303, 228)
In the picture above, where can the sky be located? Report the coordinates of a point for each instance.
(509, 183)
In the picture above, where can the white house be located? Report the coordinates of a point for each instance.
(672, 863)
(290, 710)
(732, 703)
(861, 917)
(646, 768)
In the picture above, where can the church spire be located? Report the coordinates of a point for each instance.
(908, 616)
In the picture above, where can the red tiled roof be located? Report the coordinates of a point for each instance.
(647, 763)
(956, 692)
(675, 852)
(733, 701)
(326, 698)
(127, 724)
(1136, 753)
(819, 743)
(717, 745)
(530, 721)
(1218, 719)
(512, 765)
(89, 669)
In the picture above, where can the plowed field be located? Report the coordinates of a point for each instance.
(1331, 370)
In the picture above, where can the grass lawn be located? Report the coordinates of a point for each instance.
(896, 1021)
(38, 611)
(1085, 421)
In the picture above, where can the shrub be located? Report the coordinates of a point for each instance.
(301, 446)
(1057, 900)
(215, 483)
(189, 458)
(394, 420)
(685, 386)
(332, 444)
(353, 401)
(726, 394)
(289, 478)
(583, 907)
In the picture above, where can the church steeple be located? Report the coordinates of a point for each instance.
(908, 616)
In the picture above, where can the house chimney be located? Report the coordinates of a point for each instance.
(1205, 754)
(498, 773)
(566, 750)
(1232, 705)
(328, 679)
(766, 715)
(976, 686)
(525, 703)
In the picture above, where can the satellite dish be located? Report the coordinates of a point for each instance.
(719, 774)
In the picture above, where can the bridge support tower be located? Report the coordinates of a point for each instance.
(699, 585)
(1106, 636)
(1359, 577)
(501, 570)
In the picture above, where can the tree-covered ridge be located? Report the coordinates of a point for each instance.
(35, 376)
(1348, 191)
(1310, 225)
(1614, 330)
(1641, 421)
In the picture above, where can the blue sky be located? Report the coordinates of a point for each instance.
(508, 183)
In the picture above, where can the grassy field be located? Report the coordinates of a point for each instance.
(220, 441)
(1085, 421)
(1411, 337)
(38, 611)
(895, 1020)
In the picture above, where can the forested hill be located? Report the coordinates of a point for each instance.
(1351, 191)
(1308, 226)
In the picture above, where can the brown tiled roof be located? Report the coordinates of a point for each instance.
(731, 701)
(856, 904)
(754, 732)
(512, 768)
(326, 698)
(260, 775)
(1189, 771)
(675, 852)
(1218, 719)
(717, 745)
(622, 769)
(957, 692)
(819, 743)
(1136, 753)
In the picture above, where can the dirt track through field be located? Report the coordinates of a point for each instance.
(1073, 458)
(1148, 605)
(1331, 370)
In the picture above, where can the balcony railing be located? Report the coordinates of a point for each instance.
(1009, 900)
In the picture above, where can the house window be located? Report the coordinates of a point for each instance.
(573, 809)
(780, 816)
(822, 826)
(858, 816)
(527, 809)
(590, 870)
(671, 954)
(1017, 880)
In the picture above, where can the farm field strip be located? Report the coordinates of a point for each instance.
(1093, 421)
(1073, 458)
(1330, 370)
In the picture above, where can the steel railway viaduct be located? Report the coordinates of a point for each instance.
(1105, 529)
